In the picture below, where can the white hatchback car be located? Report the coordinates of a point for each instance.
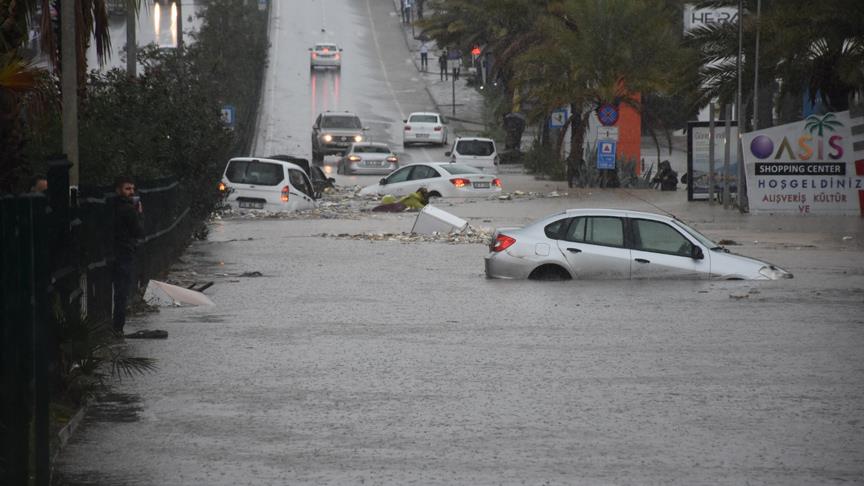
(274, 185)
(325, 54)
(424, 127)
(614, 243)
(476, 152)
(441, 179)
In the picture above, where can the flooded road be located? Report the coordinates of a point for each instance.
(350, 361)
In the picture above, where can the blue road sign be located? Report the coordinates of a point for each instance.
(607, 114)
(606, 154)
(558, 118)
(229, 115)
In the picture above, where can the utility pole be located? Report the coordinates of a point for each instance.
(453, 106)
(726, 154)
(710, 156)
(131, 42)
(179, 25)
(756, 68)
(69, 73)
(741, 189)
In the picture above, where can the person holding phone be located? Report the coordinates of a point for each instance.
(127, 232)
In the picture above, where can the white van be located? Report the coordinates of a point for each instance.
(476, 152)
(259, 183)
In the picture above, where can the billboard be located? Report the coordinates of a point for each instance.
(704, 17)
(806, 167)
(698, 139)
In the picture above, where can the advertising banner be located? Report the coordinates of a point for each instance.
(807, 167)
(698, 139)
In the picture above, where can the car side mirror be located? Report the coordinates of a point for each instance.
(310, 48)
(404, 121)
(383, 181)
(696, 253)
(340, 49)
(447, 153)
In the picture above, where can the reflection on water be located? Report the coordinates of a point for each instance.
(324, 90)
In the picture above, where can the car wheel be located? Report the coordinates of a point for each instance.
(434, 194)
(549, 273)
(406, 144)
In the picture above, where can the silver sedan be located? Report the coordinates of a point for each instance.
(613, 243)
(368, 158)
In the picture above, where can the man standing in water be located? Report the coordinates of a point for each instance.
(127, 232)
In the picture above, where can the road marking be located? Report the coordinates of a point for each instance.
(381, 60)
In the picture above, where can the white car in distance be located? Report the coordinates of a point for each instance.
(325, 54)
(441, 179)
(424, 127)
(368, 158)
(475, 151)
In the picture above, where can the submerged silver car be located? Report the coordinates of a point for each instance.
(614, 243)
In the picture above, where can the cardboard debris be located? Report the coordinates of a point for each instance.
(165, 294)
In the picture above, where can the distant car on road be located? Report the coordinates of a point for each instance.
(424, 127)
(476, 152)
(368, 158)
(441, 179)
(334, 133)
(259, 183)
(614, 243)
(325, 54)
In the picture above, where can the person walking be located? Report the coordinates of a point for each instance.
(442, 65)
(424, 56)
(127, 232)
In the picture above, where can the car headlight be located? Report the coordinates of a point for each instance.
(327, 138)
(774, 273)
(358, 138)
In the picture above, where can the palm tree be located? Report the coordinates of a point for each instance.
(600, 52)
(819, 51)
(820, 123)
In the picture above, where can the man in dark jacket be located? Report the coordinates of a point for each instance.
(127, 232)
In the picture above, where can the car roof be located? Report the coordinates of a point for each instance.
(482, 139)
(325, 44)
(339, 113)
(423, 113)
(290, 165)
(617, 212)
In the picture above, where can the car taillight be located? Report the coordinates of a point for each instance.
(354, 158)
(285, 191)
(392, 159)
(407, 128)
(222, 187)
(460, 182)
(336, 56)
(501, 243)
(314, 56)
(438, 129)
(496, 182)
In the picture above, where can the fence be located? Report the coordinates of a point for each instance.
(56, 254)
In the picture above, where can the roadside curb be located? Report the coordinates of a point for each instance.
(65, 433)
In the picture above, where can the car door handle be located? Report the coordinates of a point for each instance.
(642, 260)
(574, 250)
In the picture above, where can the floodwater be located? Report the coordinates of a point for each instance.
(351, 361)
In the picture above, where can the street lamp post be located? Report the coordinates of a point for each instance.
(741, 190)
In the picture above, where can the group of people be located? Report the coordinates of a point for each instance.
(449, 61)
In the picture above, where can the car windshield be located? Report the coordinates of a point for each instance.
(423, 119)
(699, 236)
(371, 149)
(254, 172)
(341, 122)
(455, 169)
(475, 147)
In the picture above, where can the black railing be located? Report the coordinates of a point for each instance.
(55, 263)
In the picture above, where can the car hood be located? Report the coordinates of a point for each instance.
(728, 265)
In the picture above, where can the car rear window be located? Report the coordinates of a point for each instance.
(475, 147)
(254, 172)
(341, 122)
(460, 169)
(371, 149)
(423, 119)
(329, 47)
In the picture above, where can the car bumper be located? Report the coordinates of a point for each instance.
(325, 63)
(503, 265)
(433, 137)
(360, 170)
(335, 148)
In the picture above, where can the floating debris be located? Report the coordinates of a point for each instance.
(471, 236)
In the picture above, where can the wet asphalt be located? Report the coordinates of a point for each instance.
(351, 361)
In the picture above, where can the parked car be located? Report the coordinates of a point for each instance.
(368, 158)
(325, 54)
(613, 243)
(424, 127)
(441, 179)
(259, 183)
(476, 152)
(319, 179)
(334, 132)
